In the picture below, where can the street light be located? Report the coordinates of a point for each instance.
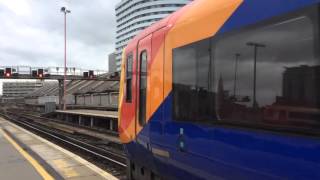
(237, 55)
(256, 46)
(65, 11)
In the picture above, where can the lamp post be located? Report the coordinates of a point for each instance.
(255, 46)
(237, 55)
(65, 11)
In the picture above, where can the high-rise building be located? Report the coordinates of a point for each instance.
(300, 87)
(112, 63)
(134, 15)
(19, 89)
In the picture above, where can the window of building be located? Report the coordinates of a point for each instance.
(143, 88)
(129, 69)
(266, 75)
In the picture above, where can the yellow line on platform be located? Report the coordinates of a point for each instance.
(45, 175)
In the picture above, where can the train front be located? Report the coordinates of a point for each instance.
(125, 121)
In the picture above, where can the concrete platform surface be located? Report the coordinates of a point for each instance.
(86, 112)
(24, 155)
(11, 162)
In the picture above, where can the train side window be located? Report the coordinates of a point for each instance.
(263, 75)
(129, 69)
(192, 89)
(143, 88)
(269, 74)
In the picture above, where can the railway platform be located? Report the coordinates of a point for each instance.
(24, 155)
(96, 113)
(107, 120)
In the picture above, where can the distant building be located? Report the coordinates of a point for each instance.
(80, 93)
(300, 86)
(112, 63)
(19, 89)
(135, 15)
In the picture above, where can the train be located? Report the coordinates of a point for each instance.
(224, 89)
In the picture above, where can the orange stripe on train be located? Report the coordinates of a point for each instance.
(187, 25)
(202, 20)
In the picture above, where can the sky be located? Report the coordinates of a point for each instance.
(32, 34)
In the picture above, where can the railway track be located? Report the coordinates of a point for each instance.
(113, 162)
(72, 128)
(38, 116)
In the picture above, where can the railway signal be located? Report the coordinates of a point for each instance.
(85, 74)
(91, 74)
(34, 73)
(46, 73)
(40, 73)
(8, 72)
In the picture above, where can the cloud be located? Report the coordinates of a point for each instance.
(32, 33)
(18, 7)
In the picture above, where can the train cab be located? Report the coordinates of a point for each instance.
(224, 90)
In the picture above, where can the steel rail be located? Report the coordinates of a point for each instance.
(88, 148)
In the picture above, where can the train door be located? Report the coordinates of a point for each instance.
(156, 92)
(155, 95)
(143, 58)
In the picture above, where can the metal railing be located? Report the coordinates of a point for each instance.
(72, 71)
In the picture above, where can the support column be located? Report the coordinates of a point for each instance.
(91, 121)
(111, 124)
(80, 120)
(109, 99)
(75, 99)
(61, 87)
